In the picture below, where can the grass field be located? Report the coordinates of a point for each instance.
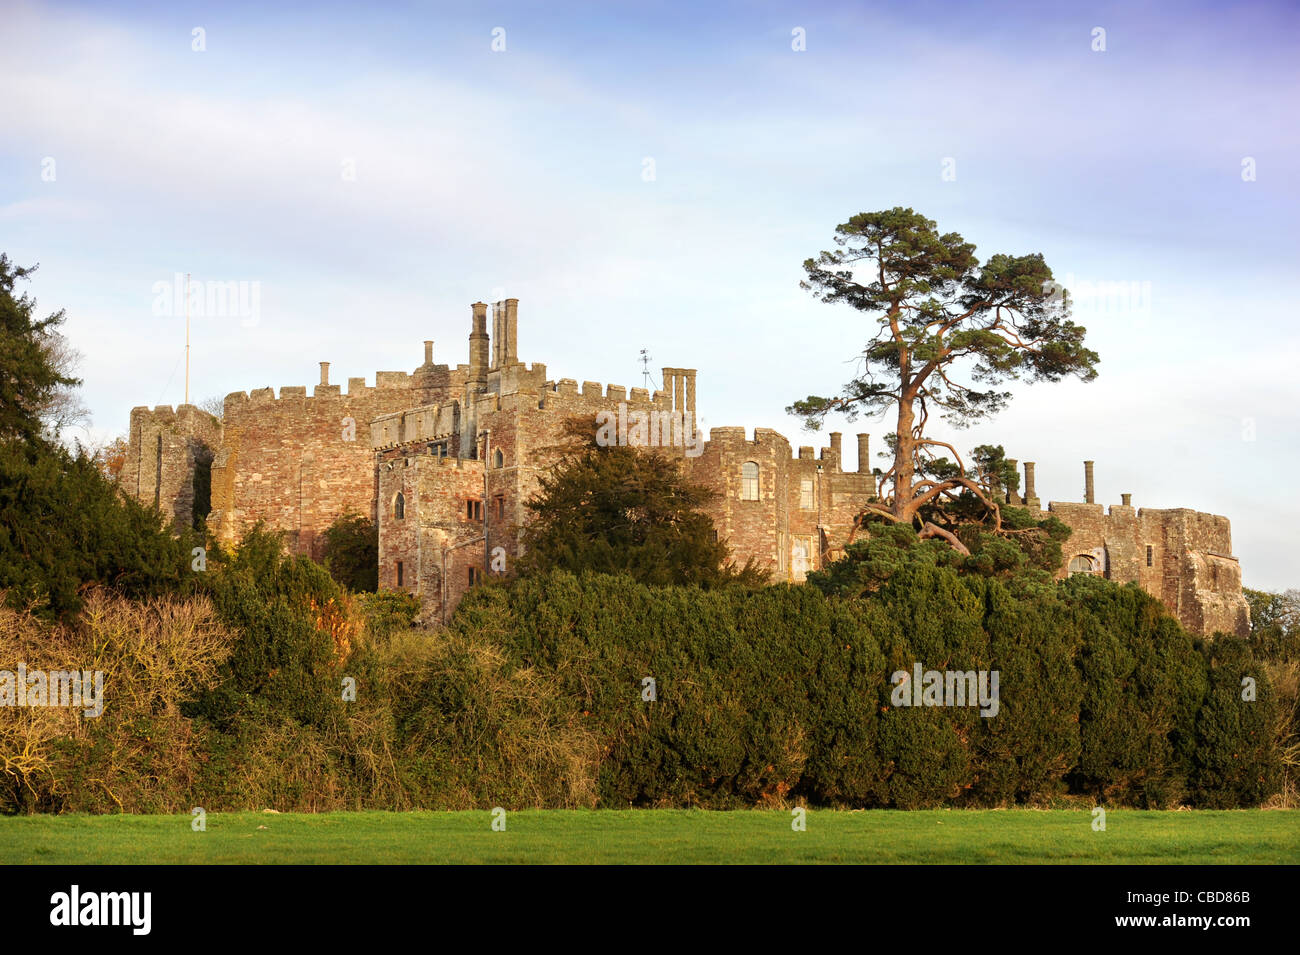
(650, 836)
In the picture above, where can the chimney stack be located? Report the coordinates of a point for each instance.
(1127, 499)
(478, 348)
(510, 346)
(836, 436)
(428, 353)
(864, 454)
(675, 385)
(690, 389)
(498, 333)
(324, 373)
(1089, 495)
(1012, 496)
(1031, 495)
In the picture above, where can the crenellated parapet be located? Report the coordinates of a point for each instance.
(169, 456)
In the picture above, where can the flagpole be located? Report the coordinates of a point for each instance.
(187, 337)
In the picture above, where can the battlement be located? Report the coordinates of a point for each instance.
(730, 436)
(613, 394)
(386, 381)
(734, 437)
(167, 414)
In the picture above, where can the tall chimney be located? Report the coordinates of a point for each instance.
(1089, 495)
(675, 385)
(1031, 495)
(836, 450)
(690, 389)
(510, 347)
(498, 333)
(428, 353)
(1012, 496)
(324, 373)
(478, 348)
(864, 454)
(1127, 499)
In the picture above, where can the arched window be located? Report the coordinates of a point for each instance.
(498, 459)
(749, 481)
(399, 507)
(1083, 564)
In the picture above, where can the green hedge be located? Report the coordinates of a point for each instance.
(780, 693)
(536, 696)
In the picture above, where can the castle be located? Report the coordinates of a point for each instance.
(443, 459)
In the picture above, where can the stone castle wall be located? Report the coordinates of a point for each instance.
(299, 461)
(1181, 556)
(168, 457)
(486, 431)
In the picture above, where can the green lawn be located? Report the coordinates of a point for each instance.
(647, 836)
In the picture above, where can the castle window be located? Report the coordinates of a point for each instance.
(749, 481)
(473, 510)
(806, 494)
(399, 573)
(1083, 564)
(399, 507)
(498, 459)
(473, 576)
(1151, 555)
(501, 508)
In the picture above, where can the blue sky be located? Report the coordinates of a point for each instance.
(480, 174)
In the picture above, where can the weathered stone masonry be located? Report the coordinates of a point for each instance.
(444, 458)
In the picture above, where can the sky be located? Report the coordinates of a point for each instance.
(652, 176)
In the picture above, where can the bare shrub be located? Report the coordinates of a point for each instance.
(138, 754)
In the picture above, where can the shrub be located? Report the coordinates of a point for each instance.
(140, 754)
(473, 730)
(1237, 762)
(1143, 684)
(388, 612)
(730, 721)
(296, 630)
(1025, 752)
(64, 525)
(935, 621)
(352, 552)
